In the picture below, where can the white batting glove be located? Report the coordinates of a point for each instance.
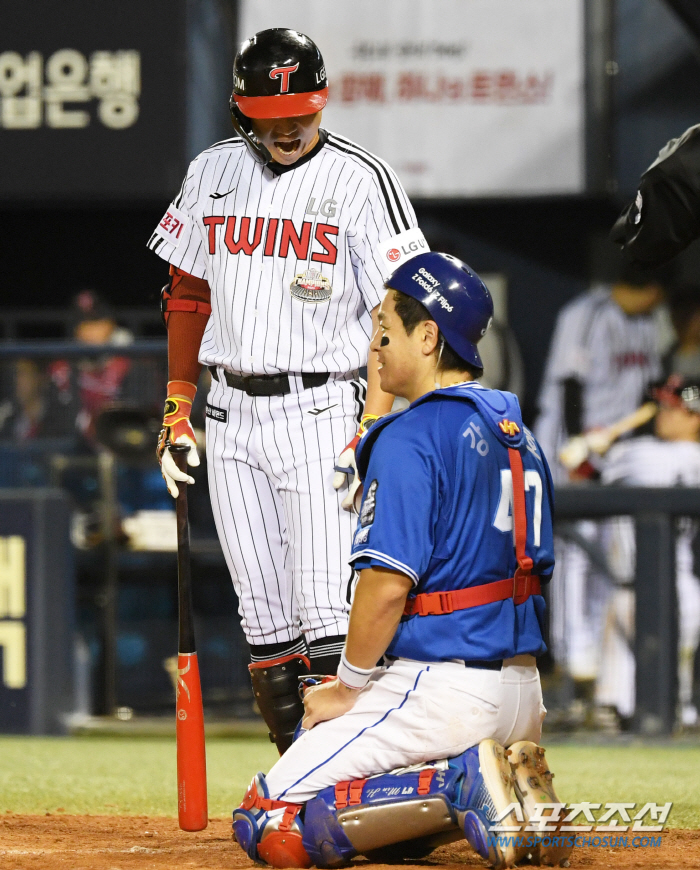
(346, 473)
(172, 473)
(346, 468)
(177, 429)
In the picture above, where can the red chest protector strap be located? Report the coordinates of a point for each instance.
(519, 587)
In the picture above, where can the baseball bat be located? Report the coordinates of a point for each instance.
(192, 807)
(577, 449)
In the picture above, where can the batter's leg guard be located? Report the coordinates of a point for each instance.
(487, 798)
(413, 809)
(276, 689)
(542, 809)
(268, 830)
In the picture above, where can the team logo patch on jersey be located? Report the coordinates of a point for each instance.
(396, 250)
(361, 536)
(368, 506)
(311, 286)
(217, 414)
(171, 226)
(509, 428)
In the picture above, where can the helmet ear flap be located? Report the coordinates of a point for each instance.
(244, 128)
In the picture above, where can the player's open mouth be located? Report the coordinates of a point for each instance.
(288, 146)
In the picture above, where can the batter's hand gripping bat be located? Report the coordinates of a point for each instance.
(191, 757)
(577, 449)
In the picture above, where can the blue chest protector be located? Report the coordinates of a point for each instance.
(438, 506)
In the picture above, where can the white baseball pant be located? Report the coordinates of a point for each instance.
(284, 534)
(409, 713)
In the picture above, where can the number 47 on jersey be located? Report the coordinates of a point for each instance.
(504, 514)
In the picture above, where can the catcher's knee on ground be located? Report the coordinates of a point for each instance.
(276, 689)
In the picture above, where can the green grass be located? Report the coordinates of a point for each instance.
(120, 776)
(637, 773)
(137, 776)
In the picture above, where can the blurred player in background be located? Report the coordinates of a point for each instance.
(605, 351)
(669, 457)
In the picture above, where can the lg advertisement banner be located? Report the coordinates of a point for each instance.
(464, 98)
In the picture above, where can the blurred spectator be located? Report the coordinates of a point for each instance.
(606, 350)
(22, 417)
(684, 357)
(670, 457)
(33, 411)
(94, 382)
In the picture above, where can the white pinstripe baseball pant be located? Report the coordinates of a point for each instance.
(284, 534)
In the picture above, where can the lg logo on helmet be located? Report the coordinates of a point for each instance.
(283, 73)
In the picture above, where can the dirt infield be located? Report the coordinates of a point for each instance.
(62, 842)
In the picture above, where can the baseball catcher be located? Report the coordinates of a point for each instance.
(452, 548)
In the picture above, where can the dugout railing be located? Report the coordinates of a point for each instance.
(655, 511)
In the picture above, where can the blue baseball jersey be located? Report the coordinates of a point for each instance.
(438, 507)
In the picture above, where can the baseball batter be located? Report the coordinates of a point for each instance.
(670, 457)
(453, 544)
(279, 242)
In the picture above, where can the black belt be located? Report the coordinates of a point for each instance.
(494, 665)
(269, 385)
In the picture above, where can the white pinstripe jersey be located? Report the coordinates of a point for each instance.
(614, 355)
(250, 231)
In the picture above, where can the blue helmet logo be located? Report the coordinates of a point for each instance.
(456, 298)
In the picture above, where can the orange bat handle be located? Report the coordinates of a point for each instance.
(191, 758)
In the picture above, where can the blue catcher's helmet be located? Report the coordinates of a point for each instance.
(456, 299)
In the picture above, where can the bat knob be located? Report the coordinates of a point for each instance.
(181, 449)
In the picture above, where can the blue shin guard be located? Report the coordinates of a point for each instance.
(269, 830)
(409, 811)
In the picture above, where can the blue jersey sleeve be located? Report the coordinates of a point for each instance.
(396, 527)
